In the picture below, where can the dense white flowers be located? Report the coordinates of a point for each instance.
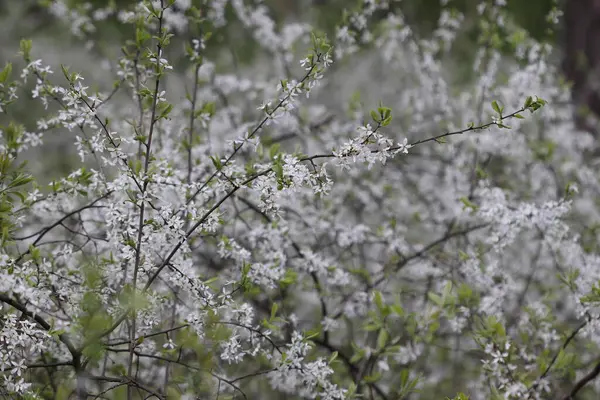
(369, 147)
(19, 339)
(204, 240)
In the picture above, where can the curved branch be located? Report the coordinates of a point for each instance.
(583, 381)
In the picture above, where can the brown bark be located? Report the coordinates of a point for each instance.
(581, 61)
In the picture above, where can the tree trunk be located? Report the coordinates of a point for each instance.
(581, 61)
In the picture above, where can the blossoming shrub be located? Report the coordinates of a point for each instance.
(256, 238)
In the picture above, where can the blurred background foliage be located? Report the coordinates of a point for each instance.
(30, 17)
(55, 44)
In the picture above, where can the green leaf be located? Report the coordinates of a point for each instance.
(386, 121)
(496, 107)
(94, 351)
(290, 277)
(166, 111)
(5, 73)
(435, 298)
(312, 334)
(359, 355)
(459, 396)
(378, 299)
(447, 291)
(273, 150)
(468, 204)
(25, 46)
(375, 116)
(351, 390)
(371, 326)
(382, 339)
(372, 378)
(397, 309)
(274, 308)
(333, 357)
(387, 113)
(65, 72)
(20, 180)
(216, 162)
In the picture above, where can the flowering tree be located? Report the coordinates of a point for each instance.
(258, 237)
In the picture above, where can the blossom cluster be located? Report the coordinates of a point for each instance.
(255, 229)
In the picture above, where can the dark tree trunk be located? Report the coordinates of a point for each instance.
(581, 62)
